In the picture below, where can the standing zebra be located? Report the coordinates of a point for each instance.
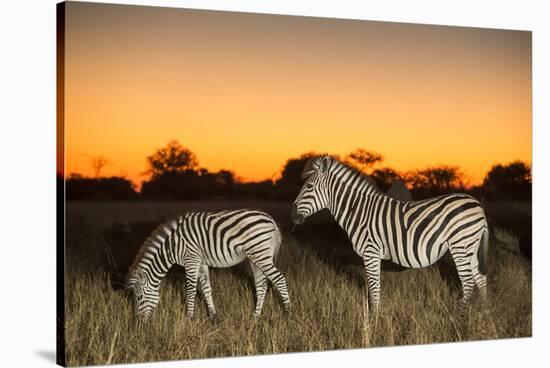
(201, 240)
(411, 234)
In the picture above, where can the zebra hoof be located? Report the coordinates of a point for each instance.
(461, 308)
(287, 310)
(214, 318)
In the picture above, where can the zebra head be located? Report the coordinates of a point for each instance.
(145, 295)
(314, 194)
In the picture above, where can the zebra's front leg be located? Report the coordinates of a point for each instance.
(192, 274)
(206, 289)
(372, 263)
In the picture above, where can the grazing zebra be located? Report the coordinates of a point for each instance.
(412, 234)
(201, 240)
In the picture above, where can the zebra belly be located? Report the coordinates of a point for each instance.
(227, 259)
(415, 255)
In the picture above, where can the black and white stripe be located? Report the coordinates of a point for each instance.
(200, 240)
(412, 234)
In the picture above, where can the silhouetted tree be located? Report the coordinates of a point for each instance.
(180, 185)
(256, 190)
(98, 163)
(363, 160)
(398, 190)
(225, 182)
(384, 177)
(290, 183)
(511, 181)
(190, 184)
(79, 187)
(172, 159)
(219, 184)
(435, 181)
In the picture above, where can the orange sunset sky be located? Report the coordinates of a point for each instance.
(245, 92)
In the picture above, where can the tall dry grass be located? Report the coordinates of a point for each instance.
(328, 310)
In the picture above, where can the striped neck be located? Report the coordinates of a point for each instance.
(350, 191)
(156, 255)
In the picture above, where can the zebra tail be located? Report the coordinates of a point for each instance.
(483, 251)
(278, 240)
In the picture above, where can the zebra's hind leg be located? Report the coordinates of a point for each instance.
(481, 283)
(206, 289)
(463, 265)
(260, 283)
(480, 279)
(273, 274)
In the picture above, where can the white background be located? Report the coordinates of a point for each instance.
(27, 182)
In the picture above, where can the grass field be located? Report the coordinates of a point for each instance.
(325, 283)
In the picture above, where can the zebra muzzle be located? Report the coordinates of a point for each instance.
(297, 218)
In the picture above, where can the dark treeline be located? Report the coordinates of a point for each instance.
(82, 188)
(174, 174)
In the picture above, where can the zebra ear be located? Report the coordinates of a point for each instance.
(309, 168)
(139, 277)
(117, 286)
(118, 282)
(324, 163)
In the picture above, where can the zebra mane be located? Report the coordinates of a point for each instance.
(313, 164)
(154, 240)
(364, 176)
